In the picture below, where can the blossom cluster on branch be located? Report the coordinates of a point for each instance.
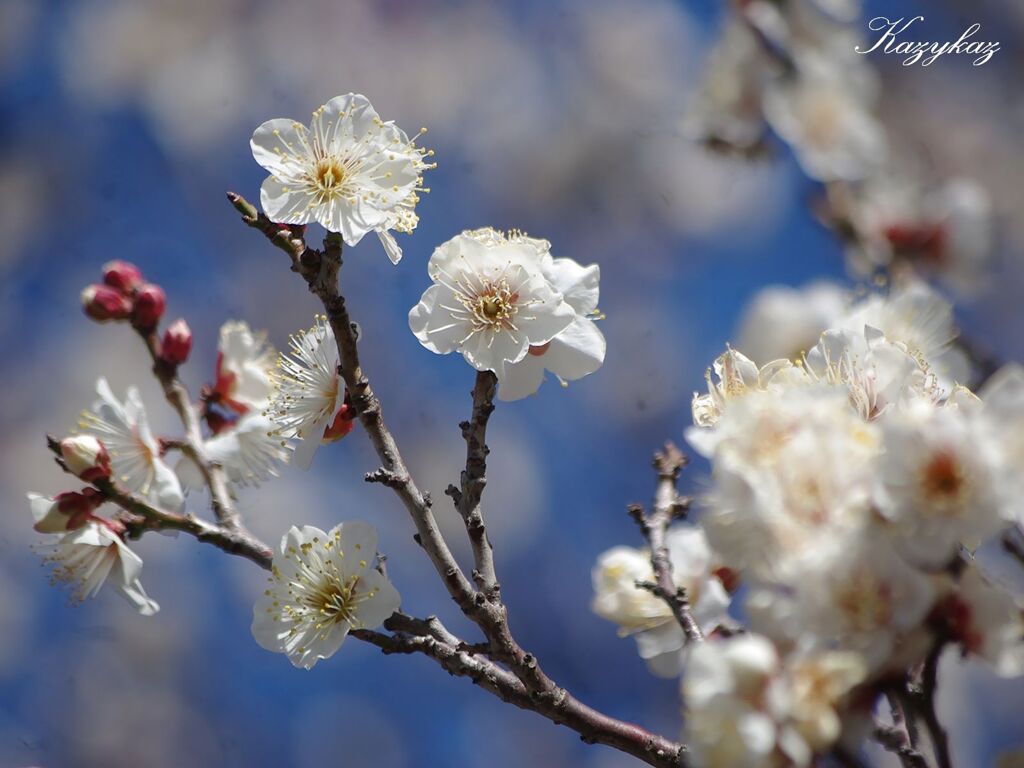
(853, 472)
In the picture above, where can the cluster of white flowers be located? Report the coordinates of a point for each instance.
(845, 488)
(793, 67)
(850, 483)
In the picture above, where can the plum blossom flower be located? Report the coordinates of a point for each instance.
(939, 483)
(575, 352)
(852, 593)
(918, 319)
(490, 300)
(659, 638)
(63, 512)
(824, 113)
(87, 556)
(723, 690)
(310, 395)
(789, 468)
(943, 229)
(986, 621)
(781, 322)
(244, 440)
(746, 706)
(737, 375)
(322, 585)
(245, 367)
(349, 171)
(876, 374)
(134, 451)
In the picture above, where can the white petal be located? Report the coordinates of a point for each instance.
(286, 203)
(578, 284)
(391, 246)
(374, 610)
(577, 351)
(435, 327)
(521, 379)
(278, 143)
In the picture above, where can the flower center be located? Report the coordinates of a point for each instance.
(329, 174)
(865, 601)
(943, 479)
(335, 600)
(494, 306)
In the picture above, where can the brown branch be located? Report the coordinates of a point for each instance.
(473, 480)
(668, 505)
(145, 517)
(320, 271)
(899, 738)
(192, 445)
(921, 697)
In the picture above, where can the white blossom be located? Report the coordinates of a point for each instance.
(310, 393)
(917, 318)
(249, 451)
(349, 171)
(86, 557)
(322, 586)
(876, 374)
(490, 300)
(737, 375)
(781, 322)
(824, 112)
(944, 229)
(1002, 416)
(727, 108)
(245, 365)
(939, 482)
(987, 622)
(789, 469)
(726, 725)
(576, 351)
(747, 706)
(646, 617)
(134, 451)
(850, 593)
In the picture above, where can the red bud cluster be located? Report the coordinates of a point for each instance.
(123, 295)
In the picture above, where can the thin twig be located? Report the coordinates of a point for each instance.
(929, 689)
(192, 445)
(473, 480)
(668, 505)
(897, 739)
(146, 517)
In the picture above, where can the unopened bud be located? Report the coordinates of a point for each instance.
(177, 343)
(86, 457)
(150, 302)
(122, 276)
(102, 303)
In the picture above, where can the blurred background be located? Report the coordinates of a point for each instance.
(124, 121)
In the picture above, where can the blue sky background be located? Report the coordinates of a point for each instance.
(124, 123)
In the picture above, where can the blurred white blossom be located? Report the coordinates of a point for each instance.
(781, 322)
(647, 617)
(135, 453)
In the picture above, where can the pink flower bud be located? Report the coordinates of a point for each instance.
(86, 456)
(102, 303)
(122, 276)
(177, 343)
(150, 303)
